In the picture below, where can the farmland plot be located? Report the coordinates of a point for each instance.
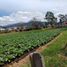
(13, 45)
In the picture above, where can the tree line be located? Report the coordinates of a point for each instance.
(51, 20)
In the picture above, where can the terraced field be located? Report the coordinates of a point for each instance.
(13, 45)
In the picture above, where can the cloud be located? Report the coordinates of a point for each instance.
(6, 20)
(25, 10)
(21, 16)
(33, 5)
(24, 17)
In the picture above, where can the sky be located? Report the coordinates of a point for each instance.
(13, 11)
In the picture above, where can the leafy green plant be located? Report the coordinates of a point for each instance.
(15, 44)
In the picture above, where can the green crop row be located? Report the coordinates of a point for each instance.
(15, 44)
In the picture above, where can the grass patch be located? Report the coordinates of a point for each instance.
(51, 54)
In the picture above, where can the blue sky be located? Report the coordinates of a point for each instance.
(13, 7)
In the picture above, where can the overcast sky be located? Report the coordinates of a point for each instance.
(25, 7)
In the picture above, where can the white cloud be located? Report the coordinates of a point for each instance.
(24, 10)
(6, 20)
(26, 16)
(21, 16)
(33, 5)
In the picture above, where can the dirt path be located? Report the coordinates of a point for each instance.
(25, 60)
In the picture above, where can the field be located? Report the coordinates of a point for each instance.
(55, 55)
(13, 45)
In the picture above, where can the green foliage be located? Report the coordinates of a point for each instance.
(15, 44)
(53, 56)
(50, 18)
(49, 15)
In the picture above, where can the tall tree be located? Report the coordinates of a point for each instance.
(62, 19)
(50, 18)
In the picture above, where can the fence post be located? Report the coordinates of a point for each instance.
(36, 60)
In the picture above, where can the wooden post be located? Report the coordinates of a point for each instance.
(36, 60)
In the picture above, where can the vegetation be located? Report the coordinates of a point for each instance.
(54, 55)
(50, 18)
(64, 50)
(13, 45)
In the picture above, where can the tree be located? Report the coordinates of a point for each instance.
(50, 18)
(62, 19)
(65, 18)
(36, 24)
